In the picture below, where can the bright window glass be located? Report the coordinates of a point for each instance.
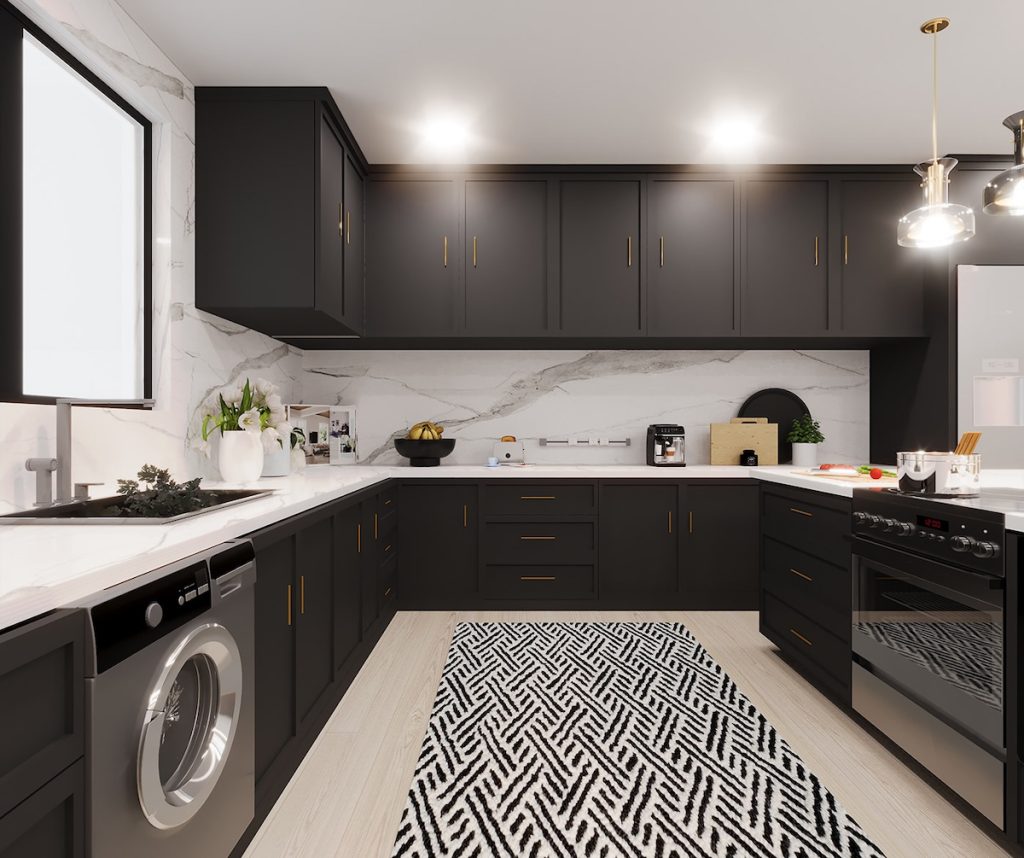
(83, 231)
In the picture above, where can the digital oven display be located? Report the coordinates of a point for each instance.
(931, 523)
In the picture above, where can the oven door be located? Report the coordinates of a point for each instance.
(934, 634)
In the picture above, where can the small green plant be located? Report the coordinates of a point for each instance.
(155, 495)
(805, 430)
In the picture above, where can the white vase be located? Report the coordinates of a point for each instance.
(240, 457)
(277, 461)
(805, 455)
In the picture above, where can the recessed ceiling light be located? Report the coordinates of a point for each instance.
(445, 136)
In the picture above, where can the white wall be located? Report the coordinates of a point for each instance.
(481, 395)
(193, 353)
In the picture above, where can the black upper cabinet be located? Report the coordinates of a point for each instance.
(882, 284)
(270, 171)
(639, 541)
(413, 256)
(600, 258)
(506, 258)
(785, 275)
(691, 258)
(355, 245)
(720, 547)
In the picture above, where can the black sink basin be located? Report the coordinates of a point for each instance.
(109, 510)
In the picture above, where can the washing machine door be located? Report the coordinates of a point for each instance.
(189, 725)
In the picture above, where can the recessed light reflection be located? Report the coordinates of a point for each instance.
(445, 137)
(734, 136)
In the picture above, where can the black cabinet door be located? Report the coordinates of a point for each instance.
(638, 541)
(437, 539)
(720, 547)
(506, 257)
(882, 290)
(355, 237)
(691, 258)
(51, 822)
(275, 649)
(330, 283)
(314, 569)
(367, 548)
(785, 275)
(347, 581)
(600, 258)
(412, 259)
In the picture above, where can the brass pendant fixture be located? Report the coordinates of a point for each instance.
(938, 222)
(1004, 195)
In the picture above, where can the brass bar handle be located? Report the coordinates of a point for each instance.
(348, 227)
(815, 251)
(539, 538)
(387, 548)
(341, 224)
(375, 526)
(387, 592)
(629, 251)
(537, 577)
(691, 521)
(846, 250)
(289, 604)
(302, 594)
(661, 252)
(465, 515)
(359, 539)
(388, 501)
(537, 497)
(444, 251)
(802, 512)
(474, 251)
(800, 637)
(800, 574)
(670, 521)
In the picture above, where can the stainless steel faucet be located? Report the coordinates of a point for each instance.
(62, 463)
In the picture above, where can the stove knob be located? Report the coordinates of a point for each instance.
(985, 550)
(860, 517)
(154, 614)
(960, 544)
(904, 529)
(888, 524)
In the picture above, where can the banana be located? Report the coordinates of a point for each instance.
(425, 430)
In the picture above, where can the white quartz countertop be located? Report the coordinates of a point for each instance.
(43, 567)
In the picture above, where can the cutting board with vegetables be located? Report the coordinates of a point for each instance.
(863, 474)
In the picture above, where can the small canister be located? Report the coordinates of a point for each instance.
(748, 458)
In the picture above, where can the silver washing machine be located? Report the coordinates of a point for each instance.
(170, 756)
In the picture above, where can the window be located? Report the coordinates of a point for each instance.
(75, 307)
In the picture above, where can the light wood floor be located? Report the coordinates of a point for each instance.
(347, 797)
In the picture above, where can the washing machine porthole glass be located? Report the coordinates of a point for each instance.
(189, 717)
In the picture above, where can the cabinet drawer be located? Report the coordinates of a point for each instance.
(387, 535)
(387, 579)
(538, 582)
(539, 499)
(817, 589)
(797, 634)
(538, 542)
(814, 529)
(389, 500)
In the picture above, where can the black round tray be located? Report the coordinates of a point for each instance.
(779, 406)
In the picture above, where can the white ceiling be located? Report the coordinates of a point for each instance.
(606, 81)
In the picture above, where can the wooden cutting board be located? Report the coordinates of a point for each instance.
(853, 478)
(729, 440)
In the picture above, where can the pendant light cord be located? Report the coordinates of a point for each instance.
(935, 96)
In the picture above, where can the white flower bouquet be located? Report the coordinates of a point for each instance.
(254, 408)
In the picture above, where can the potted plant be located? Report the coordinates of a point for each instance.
(252, 424)
(805, 436)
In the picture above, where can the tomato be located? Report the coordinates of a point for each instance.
(876, 473)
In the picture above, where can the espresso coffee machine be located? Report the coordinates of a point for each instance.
(666, 445)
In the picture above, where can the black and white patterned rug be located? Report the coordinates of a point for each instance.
(608, 740)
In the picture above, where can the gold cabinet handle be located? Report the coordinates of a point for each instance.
(539, 538)
(629, 251)
(800, 574)
(536, 497)
(388, 501)
(474, 251)
(800, 637)
(341, 224)
(348, 227)
(661, 252)
(691, 521)
(815, 251)
(801, 512)
(289, 604)
(387, 592)
(302, 594)
(387, 548)
(375, 526)
(537, 578)
(444, 251)
(670, 521)
(846, 250)
(359, 539)
(465, 515)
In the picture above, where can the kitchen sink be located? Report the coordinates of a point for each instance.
(105, 510)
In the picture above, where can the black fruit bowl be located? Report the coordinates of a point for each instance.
(424, 454)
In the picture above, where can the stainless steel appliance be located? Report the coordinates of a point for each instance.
(666, 445)
(170, 696)
(928, 637)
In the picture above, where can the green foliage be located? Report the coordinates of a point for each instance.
(298, 437)
(805, 430)
(155, 495)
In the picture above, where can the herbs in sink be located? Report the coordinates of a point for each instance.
(155, 495)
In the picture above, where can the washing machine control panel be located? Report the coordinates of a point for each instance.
(126, 623)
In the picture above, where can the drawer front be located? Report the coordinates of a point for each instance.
(387, 581)
(538, 582)
(389, 500)
(387, 528)
(800, 635)
(538, 542)
(814, 587)
(813, 529)
(539, 499)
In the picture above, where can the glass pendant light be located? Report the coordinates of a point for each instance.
(1004, 195)
(938, 222)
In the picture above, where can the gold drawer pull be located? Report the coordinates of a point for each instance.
(801, 512)
(387, 502)
(801, 575)
(359, 539)
(537, 497)
(536, 577)
(289, 604)
(387, 548)
(800, 637)
(670, 522)
(302, 594)
(375, 526)
(387, 592)
(539, 538)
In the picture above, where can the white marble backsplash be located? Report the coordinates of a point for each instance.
(481, 395)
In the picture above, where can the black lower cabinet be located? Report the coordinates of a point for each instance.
(639, 543)
(437, 539)
(51, 822)
(314, 615)
(367, 548)
(348, 627)
(720, 547)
